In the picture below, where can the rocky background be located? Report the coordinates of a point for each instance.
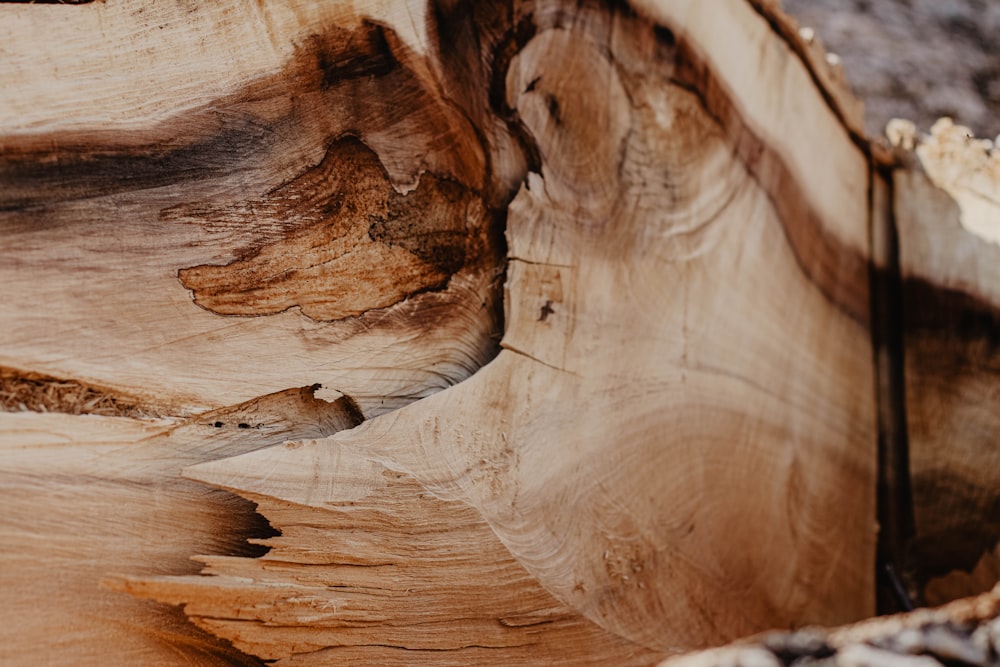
(915, 59)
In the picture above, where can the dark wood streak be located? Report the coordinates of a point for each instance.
(358, 245)
(340, 82)
(950, 311)
(960, 521)
(340, 261)
(952, 351)
(474, 43)
(58, 167)
(369, 55)
(341, 94)
(840, 272)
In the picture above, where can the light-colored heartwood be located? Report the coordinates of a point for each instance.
(530, 332)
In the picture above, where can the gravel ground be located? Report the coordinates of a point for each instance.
(915, 59)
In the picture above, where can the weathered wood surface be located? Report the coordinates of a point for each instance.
(233, 190)
(594, 275)
(965, 632)
(88, 497)
(948, 215)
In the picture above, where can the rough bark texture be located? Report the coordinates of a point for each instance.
(540, 331)
(966, 632)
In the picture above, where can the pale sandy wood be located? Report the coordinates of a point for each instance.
(823, 65)
(681, 422)
(371, 567)
(676, 445)
(948, 214)
(87, 497)
(124, 70)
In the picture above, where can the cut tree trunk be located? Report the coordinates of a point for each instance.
(948, 214)
(539, 332)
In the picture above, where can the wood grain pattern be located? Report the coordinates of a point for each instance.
(664, 258)
(588, 285)
(354, 245)
(287, 200)
(371, 567)
(947, 214)
(88, 497)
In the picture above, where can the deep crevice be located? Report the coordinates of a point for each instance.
(896, 575)
(23, 391)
